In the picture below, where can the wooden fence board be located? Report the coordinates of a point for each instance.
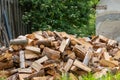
(14, 15)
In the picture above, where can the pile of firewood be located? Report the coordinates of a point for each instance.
(45, 55)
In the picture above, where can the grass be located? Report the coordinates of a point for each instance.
(2, 78)
(90, 76)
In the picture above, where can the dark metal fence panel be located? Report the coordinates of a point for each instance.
(14, 15)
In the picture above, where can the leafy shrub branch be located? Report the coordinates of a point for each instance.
(71, 16)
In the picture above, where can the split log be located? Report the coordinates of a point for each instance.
(41, 60)
(18, 42)
(87, 58)
(13, 77)
(58, 35)
(112, 43)
(72, 55)
(73, 68)
(22, 76)
(117, 55)
(37, 64)
(40, 78)
(35, 74)
(30, 54)
(80, 51)
(52, 65)
(107, 63)
(22, 59)
(16, 47)
(6, 65)
(45, 42)
(82, 66)
(86, 45)
(52, 54)
(25, 70)
(45, 34)
(68, 65)
(100, 74)
(5, 56)
(32, 48)
(4, 73)
(103, 39)
(107, 56)
(64, 44)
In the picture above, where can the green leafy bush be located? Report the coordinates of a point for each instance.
(71, 16)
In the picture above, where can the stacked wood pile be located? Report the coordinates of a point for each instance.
(45, 55)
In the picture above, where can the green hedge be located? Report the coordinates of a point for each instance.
(71, 16)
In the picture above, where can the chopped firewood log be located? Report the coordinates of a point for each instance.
(50, 33)
(51, 78)
(13, 71)
(35, 74)
(72, 76)
(13, 77)
(6, 65)
(94, 60)
(22, 76)
(82, 66)
(30, 36)
(50, 65)
(30, 54)
(6, 56)
(98, 45)
(58, 35)
(44, 42)
(45, 34)
(68, 65)
(22, 59)
(4, 73)
(39, 78)
(42, 46)
(52, 54)
(51, 72)
(103, 39)
(106, 56)
(31, 42)
(64, 44)
(38, 36)
(80, 51)
(18, 42)
(101, 73)
(28, 63)
(75, 39)
(87, 58)
(37, 64)
(107, 63)
(117, 55)
(112, 43)
(32, 48)
(73, 68)
(25, 70)
(72, 42)
(72, 55)
(41, 60)
(56, 44)
(87, 45)
(16, 47)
